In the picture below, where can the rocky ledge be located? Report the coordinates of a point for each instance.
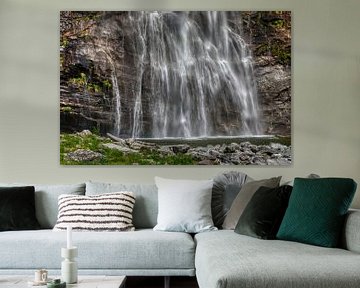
(242, 153)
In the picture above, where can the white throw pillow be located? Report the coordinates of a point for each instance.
(184, 205)
(105, 212)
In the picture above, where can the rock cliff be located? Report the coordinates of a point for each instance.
(101, 60)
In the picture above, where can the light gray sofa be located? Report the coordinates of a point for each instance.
(226, 259)
(143, 252)
(220, 259)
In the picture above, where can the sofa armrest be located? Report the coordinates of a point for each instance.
(351, 234)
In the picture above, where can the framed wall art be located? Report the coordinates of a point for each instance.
(175, 88)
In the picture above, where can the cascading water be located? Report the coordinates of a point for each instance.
(116, 93)
(194, 75)
(141, 52)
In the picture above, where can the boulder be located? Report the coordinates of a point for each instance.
(82, 155)
(183, 148)
(121, 148)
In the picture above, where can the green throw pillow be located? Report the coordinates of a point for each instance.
(316, 211)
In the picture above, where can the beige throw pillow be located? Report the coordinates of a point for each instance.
(243, 198)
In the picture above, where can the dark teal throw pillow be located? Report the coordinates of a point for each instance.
(316, 211)
(263, 214)
(17, 208)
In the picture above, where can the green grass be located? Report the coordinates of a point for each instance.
(284, 140)
(73, 142)
(278, 50)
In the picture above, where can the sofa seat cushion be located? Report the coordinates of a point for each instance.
(226, 259)
(142, 249)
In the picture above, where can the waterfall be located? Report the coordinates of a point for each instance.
(194, 77)
(116, 93)
(140, 24)
(114, 82)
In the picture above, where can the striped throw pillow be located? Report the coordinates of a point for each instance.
(105, 212)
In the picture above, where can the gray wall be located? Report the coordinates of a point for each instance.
(326, 90)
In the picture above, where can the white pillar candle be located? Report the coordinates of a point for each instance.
(69, 237)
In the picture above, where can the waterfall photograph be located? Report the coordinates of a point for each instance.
(175, 88)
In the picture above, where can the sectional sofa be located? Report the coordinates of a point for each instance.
(218, 259)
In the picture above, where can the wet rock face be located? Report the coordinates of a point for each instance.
(99, 43)
(269, 36)
(274, 89)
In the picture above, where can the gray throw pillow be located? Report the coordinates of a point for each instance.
(226, 187)
(184, 205)
(242, 199)
(310, 176)
(46, 200)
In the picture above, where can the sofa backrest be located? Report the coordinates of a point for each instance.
(146, 203)
(351, 237)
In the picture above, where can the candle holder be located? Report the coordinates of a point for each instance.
(69, 271)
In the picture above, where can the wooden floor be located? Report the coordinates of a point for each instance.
(158, 282)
